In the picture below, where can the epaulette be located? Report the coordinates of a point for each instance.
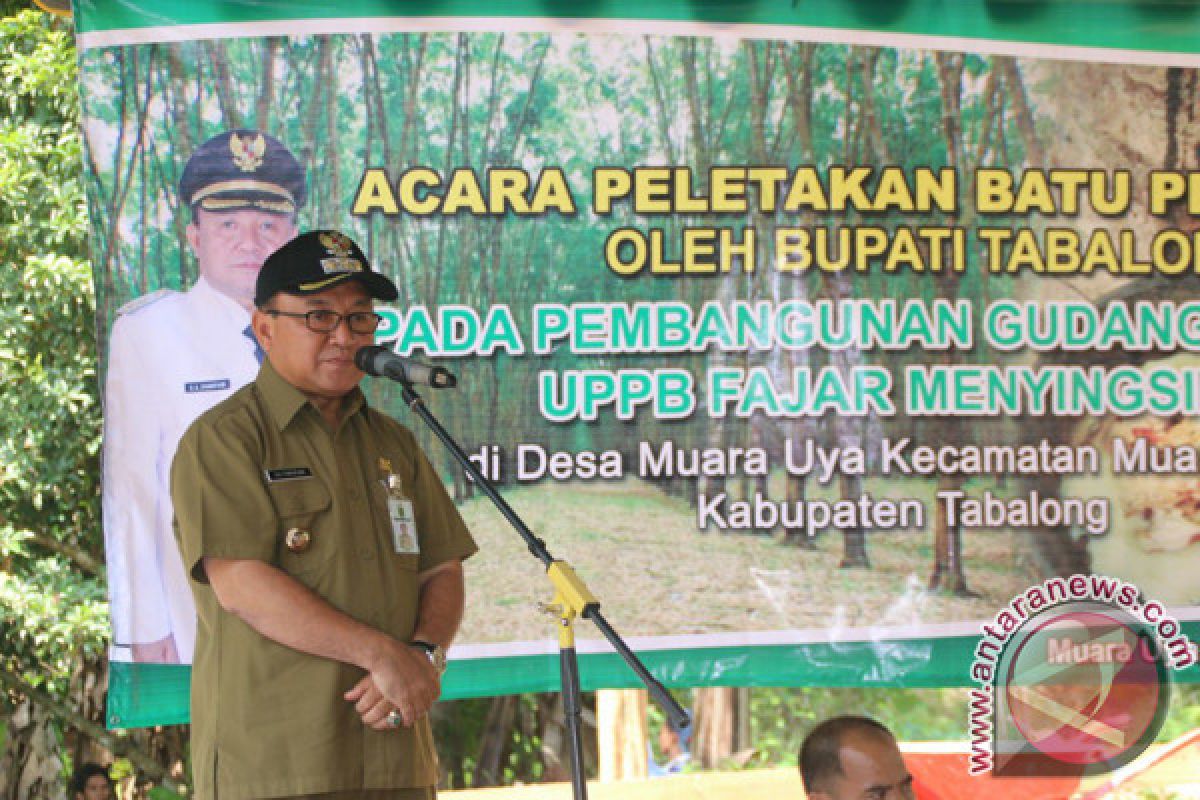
(150, 298)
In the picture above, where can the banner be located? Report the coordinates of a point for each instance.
(809, 337)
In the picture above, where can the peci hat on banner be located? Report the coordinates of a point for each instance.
(243, 169)
(315, 261)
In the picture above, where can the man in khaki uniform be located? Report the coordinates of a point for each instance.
(322, 624)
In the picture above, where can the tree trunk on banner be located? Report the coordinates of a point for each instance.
(948, 573)
(722, 724)
(854, 539)
(797, 537)
(621, 730)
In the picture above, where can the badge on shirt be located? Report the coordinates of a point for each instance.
(287, 474)
(219, 385)
(400, 513)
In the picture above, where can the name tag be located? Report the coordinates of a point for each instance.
(287, 474)
(206, 386)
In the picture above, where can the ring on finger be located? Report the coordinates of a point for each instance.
(393, 719)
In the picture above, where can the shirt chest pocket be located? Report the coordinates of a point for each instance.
(304, 538)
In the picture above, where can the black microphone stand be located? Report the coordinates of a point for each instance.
(571, 599)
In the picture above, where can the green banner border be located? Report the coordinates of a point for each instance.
(156, 694)
(1170, 26)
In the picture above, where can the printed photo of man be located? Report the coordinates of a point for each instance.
(173, 355)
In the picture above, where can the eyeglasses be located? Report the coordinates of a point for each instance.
(321, 320)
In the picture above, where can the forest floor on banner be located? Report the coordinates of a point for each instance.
(641, 554)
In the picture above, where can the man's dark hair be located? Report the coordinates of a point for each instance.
(819, 760)
(86, 771)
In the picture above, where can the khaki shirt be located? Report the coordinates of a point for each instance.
(268, 720)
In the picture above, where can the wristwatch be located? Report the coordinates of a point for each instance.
(437, 656)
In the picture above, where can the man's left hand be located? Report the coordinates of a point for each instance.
(370, 704)
(417, 690)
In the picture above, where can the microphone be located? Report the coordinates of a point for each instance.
(381, 362)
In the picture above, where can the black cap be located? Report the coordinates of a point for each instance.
(243, 169)
(316, 261)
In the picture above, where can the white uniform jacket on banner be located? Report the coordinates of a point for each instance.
(172, 356)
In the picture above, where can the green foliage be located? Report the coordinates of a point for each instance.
(1183, 715)
(51, 609)
(42, 207)
(459, 729)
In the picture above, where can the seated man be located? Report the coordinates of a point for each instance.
(852, 758)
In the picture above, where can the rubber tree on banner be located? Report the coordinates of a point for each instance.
(763, 145)
(696, 74)
(971, 140)
(846, 77)
(862, 133)
(781, 79)
(707, 114)
(657, 142)
(798, 62)
(393, 70)
(993, 126)
(997, 130)
(949, 573)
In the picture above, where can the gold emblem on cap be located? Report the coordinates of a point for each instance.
(297, 540)
(337, 244)
(341, 250)
(247, 153)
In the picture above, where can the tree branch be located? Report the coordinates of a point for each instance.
(76, 555)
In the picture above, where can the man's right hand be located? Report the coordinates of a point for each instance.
(400, 678)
